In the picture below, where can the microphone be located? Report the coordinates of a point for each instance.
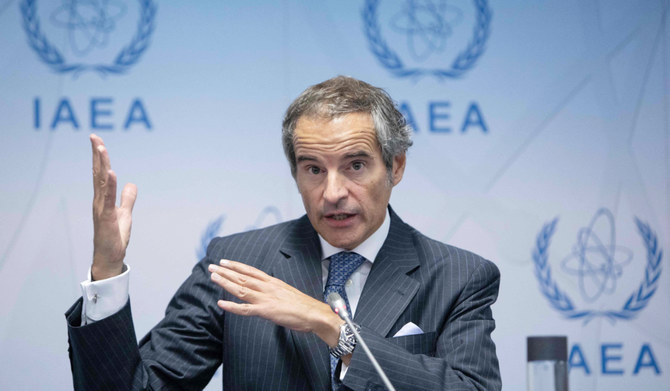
(339, 306)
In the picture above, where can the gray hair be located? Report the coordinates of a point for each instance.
(344, 95)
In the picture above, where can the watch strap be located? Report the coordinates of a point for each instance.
(346, 343)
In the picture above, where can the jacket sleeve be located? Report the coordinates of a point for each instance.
(182, 352)
(464, 356)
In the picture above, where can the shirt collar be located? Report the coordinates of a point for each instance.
(368, 249)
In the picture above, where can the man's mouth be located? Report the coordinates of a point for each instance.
(339, 216)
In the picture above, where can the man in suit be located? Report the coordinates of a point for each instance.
(256, 301)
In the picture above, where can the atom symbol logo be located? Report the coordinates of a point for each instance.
(427, 25)
(88, 22)
(597, 263)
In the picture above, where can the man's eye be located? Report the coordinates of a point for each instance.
(314, 170)
(357, 166)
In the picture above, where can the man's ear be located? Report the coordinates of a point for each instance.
(398, 168)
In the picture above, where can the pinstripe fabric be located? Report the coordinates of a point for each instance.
(445, 291)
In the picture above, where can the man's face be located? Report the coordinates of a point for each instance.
(342, 178)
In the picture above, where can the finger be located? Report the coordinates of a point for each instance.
(100, 175)
(100, 181)
(104, 178)
(241, 292)
(95, 142)
(128, 196)
(244, 269)
(105, 164)
(97, 164)
(110, 191)
(238, 278)
(95, 138)
(244, 309)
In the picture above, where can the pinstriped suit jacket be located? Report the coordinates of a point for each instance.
(444, 290)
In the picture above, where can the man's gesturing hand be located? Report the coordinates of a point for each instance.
(274, 300)
(111, 225)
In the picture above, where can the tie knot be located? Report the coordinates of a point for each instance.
(342, 266)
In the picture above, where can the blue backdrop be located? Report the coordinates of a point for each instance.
(542, 142)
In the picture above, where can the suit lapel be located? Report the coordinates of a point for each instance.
(300, 266)
(388, 289)
(387, 292)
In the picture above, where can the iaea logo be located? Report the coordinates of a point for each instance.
(90, 31)
(414, 38)
(597, 263)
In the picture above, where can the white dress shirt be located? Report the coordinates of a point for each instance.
(354, 286)
(368, 249)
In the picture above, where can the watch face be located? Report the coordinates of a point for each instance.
(346, 342)
(349, 334)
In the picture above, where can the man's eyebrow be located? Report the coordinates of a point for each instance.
(356, 154)
(305, 158)
(352, 155)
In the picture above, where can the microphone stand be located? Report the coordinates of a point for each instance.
(338, 305)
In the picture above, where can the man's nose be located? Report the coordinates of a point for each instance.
(336, 188)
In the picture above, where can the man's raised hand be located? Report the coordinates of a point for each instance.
(273, 299)
(111, 224)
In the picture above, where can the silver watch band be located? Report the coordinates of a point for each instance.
(346, 342)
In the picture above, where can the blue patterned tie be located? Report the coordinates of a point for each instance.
(342, 266)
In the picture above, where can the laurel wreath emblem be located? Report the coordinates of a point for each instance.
(465, 60)
(51, 56)
(637, 301)
(210, 233)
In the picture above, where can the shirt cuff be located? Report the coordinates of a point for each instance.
(104, 298)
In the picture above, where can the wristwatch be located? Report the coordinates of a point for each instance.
(346, 343)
